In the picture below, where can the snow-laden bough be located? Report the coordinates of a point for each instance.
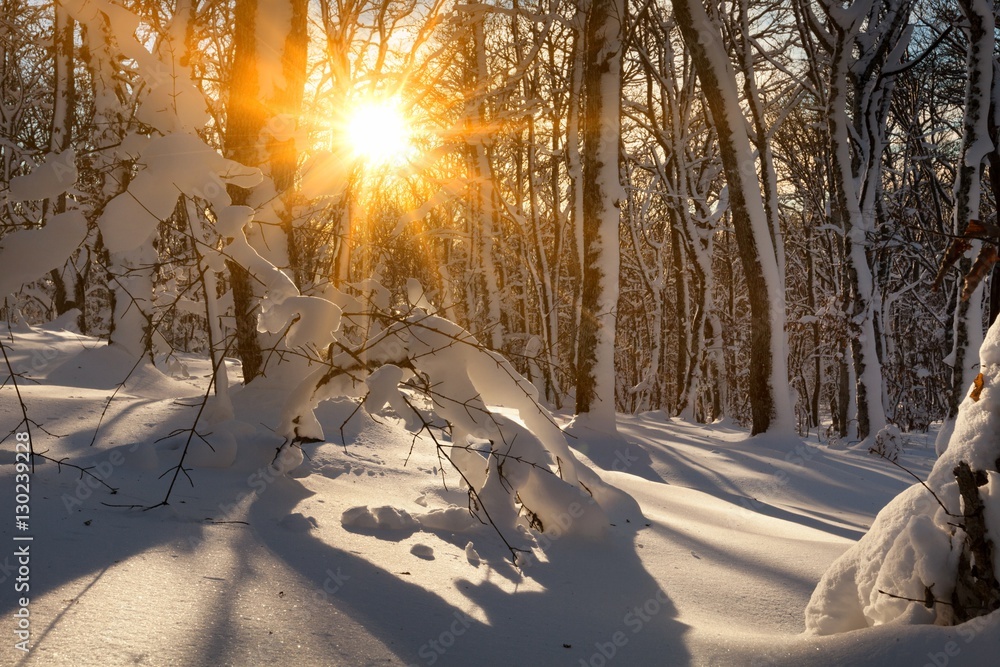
(931, 554)
(516, 463)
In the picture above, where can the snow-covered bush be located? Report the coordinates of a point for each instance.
(515, 462)
(931, 554)
(888, 443)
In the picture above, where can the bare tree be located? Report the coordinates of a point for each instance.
(769, 398)
(602, 193)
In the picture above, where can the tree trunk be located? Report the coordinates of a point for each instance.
(68, 290)
(976, 146)
(602, 192)
(770, 403)
(255, 127)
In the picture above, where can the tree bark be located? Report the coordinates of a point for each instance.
(249, 110)
(976, 146)
(602, 192)
(770, 403)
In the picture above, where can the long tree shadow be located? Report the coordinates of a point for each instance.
(795, 474)
(597, 600)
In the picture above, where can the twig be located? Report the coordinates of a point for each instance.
(24, 409)
(922, 483)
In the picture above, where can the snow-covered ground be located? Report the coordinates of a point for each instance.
(250, 567)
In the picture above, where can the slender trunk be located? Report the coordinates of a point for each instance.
(68, 290)
(574, 170)
(976, 146)
(485, 197)
(770, 403)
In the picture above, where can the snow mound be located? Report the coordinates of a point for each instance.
(422, 551)
(289, 458)
(454, 519)
(472, 555)
(379, 518)
(906, 569)
(108, 366)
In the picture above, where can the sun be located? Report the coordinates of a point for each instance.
(377, 132)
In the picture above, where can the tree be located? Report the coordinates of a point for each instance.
(265, 97)
(602, 194)
(769, 399)
(977, 145)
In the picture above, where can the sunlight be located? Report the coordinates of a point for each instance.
(378, 133)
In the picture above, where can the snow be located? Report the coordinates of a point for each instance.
(28, 254)
(170, 101)
(366, 553)
(913, 545)
(385, 518)
(55, 175)
(174, 164)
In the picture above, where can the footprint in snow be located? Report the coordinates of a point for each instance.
(422, 551)
(298, 523)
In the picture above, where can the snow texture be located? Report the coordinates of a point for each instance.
(173, 165)
(718, 578)
(55, 175)
(28, 254)
(912, 546)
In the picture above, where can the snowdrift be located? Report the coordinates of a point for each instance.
(916, 562)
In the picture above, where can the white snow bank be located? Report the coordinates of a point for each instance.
(912, 549)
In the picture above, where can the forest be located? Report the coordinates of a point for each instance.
(535, 240)
(464, 146)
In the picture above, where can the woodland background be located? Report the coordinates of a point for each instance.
(869, 136)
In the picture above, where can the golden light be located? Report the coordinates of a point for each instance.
(378, 133)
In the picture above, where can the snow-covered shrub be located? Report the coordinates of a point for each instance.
(931, 554)
(515, 462)
(888, 443)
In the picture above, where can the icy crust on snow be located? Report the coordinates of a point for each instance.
(910, 550)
